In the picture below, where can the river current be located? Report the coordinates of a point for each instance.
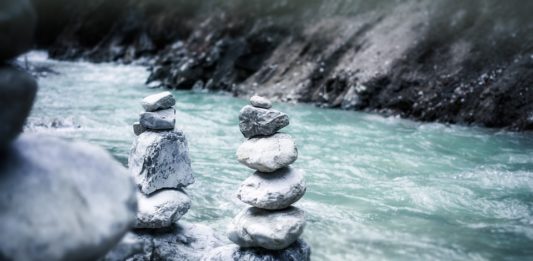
(378, 188)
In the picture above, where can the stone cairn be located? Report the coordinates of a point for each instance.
(160, 164)
(271, 226)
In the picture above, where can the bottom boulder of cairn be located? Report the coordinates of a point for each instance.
(297, 251)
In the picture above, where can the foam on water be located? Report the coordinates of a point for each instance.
(378, 188)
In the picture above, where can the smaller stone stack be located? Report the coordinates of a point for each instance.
(159, 161)
(270, 228)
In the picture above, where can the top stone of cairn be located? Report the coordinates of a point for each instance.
(260, 102)
(158, 101)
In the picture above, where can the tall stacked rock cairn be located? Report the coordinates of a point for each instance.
(270, 228)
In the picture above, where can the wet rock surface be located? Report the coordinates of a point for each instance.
(62, 200)
(298, 251)
(268, 154)
(443, 65)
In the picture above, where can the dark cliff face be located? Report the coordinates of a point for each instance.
(468, 62)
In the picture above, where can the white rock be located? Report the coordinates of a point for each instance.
(260, 102)
(159, 120)
(160, 160)
(268, 154)
(162, 208)
(276, 190)
(275, 230)
(158, 101)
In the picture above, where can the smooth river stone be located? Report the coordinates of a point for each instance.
(162, 208)
(62, 200)
(160, 160)
(275, 230)
(268, 154)
(297, 251)
(276, 190)
(260, 102)
(159, 120)
(158, 101)
(261, 122)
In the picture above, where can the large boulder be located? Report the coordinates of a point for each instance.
(268, 154)
(17, 24)
(17, 92)
(160, 160)
(183, 241)
(261, 122)
(159, 120)
(62, 200)
(275, 230)
(162, 208)
(276, 190)
(297, 251)
(158, 101)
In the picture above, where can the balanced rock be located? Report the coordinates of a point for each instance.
(160, 160)
(268, 154)
(275, 230)
(255, 121)
(260, 102)
(183, 241)
(158, 101)
(138, 128)
(17, 92)
(159, 120)
(162, 208)
(276, 190)
(62, 200)
(297, 251)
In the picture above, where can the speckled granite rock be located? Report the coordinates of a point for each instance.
(261, 122)
(162, 208)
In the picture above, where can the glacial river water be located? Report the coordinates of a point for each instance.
(378, 188)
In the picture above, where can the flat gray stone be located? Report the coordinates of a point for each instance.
(276, 190)
(160, 160)
(159, 120)
(158, 101)
(162, 208)
(261, 122)
(17, 92)
(138, 128)
(260, 102)
(297, 251)
(183, 241)
(275, 230)
(269, 153)
(62, 200)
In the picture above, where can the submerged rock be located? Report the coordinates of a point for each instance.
(275, 230)
(183, 241)
(276, 190)
(297, 251)
(158, 101)
(62, 200)
(268, 154)
(260, 102)
(162, 208)
(17, 92)
(261, 122)
(159, 120)
(138, 128)
(160, 160)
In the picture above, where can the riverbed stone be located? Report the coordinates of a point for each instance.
(183, 241)
(160, 160)
(297, 251)
(138, 128)
(261, 122)
(275, 230)
(158, 101)
(17, 92)
(159, 120)
(62, 200)
(260, 102)
(268, 154)
(276, 190)
(162, 208)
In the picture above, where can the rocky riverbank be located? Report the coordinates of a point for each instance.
(447, 61)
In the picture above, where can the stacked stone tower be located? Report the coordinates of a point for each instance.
(160, 164)
(270, 228)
